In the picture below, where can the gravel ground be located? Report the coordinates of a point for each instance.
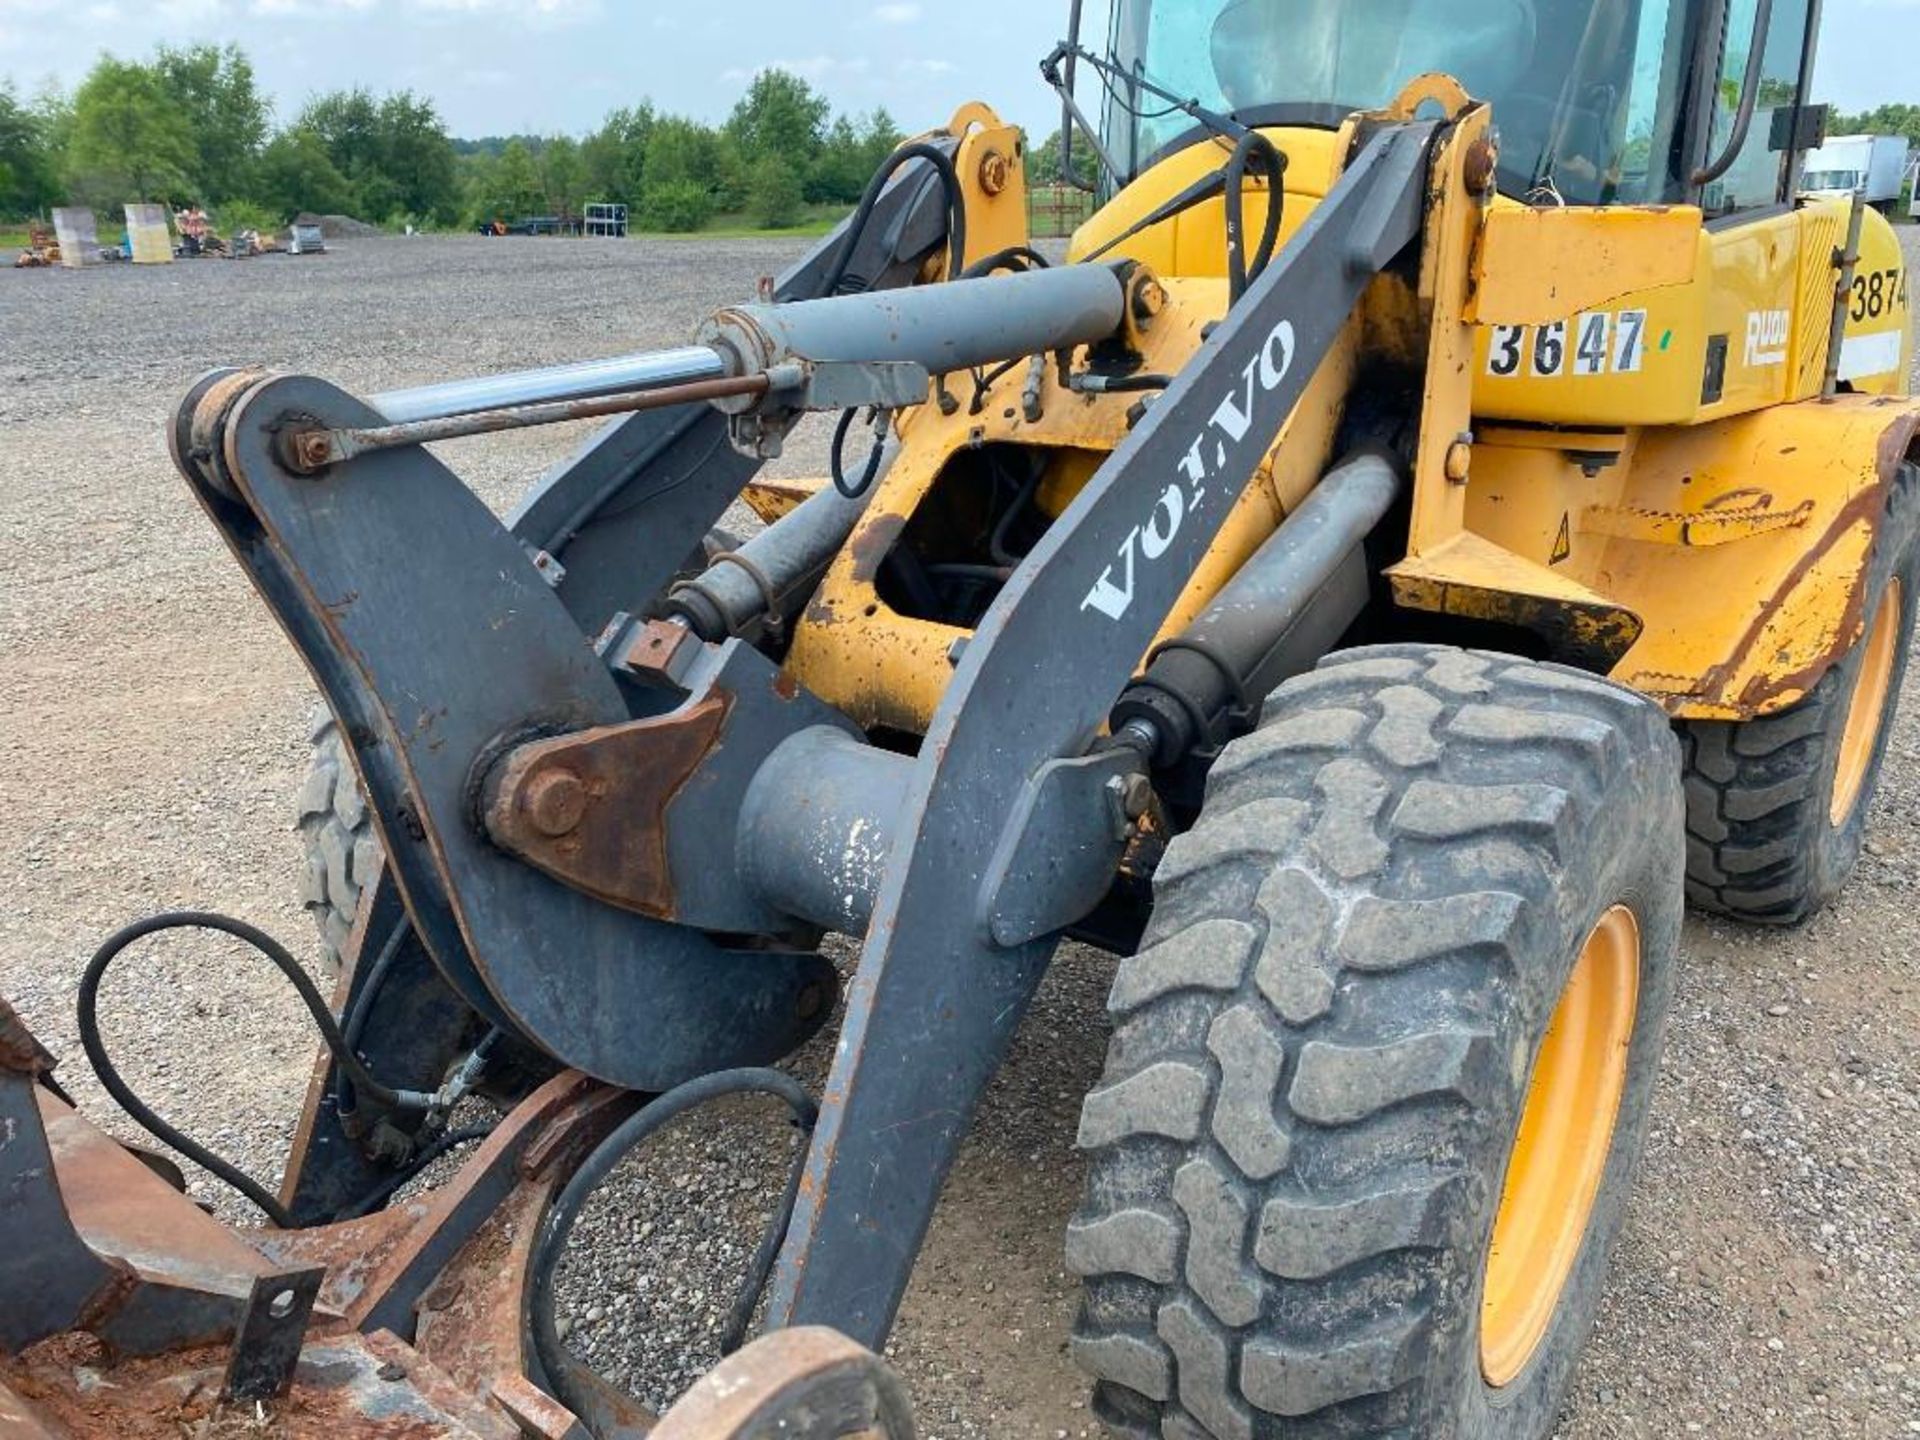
(151, 743)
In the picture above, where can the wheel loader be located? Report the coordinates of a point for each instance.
(1451, 507)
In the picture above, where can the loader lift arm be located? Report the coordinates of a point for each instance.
(445, 654)
(938, 995)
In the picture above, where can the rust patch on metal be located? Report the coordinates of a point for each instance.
(620, 779)
(655, 648)
(808, 1382)
(536, 1412)
(341, 1391)
(457, 1210)
(573, 1129)
(470, 1321)
(150, 1238)
(352, 1251)
(1762, 688)
(19, 1051)
(872, 543)
(555, 801)
(994, 172)
(1477, 166)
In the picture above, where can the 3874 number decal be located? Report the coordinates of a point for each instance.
(1600, 342)
(1877, 292)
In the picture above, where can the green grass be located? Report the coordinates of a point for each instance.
(815, 220)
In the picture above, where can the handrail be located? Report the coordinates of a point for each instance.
(1749, 95)
(1067, 107)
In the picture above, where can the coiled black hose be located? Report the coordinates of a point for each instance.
(837, 458)
(856, 227)
(645, 1122)
(356, 1072)
(837, 276)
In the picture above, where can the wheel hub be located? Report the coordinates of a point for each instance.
(1866, 712)
(1560, 1154)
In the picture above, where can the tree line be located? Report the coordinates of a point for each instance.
(780, 151)
(1882, 120)
(190, 125)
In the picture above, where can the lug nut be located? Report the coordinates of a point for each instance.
(307, 452)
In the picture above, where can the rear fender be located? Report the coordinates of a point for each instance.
(1741, 547)
(1749, 627)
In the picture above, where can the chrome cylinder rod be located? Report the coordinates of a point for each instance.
(308, 450)
(652, 370)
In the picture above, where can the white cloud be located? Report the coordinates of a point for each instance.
(808, 67)
(902, 12)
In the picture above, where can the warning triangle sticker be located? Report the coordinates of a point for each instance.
(1563, 542)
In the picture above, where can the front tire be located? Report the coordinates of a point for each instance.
(1337, 1050)
(339, 848)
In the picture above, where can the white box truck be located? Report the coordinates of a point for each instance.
(1871, 166)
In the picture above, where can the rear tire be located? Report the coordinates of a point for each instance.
(1324, 1049)
(1777, 806)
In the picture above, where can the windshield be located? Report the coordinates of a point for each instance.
(1586, 95)
(1831, 180)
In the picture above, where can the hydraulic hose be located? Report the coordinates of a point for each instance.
(115, 1085)
(956, 212)
(362, 1006)
(1240, 271)
(836, 455)
(643, 1124)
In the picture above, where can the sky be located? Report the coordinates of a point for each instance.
(500, 67)
(497, 67)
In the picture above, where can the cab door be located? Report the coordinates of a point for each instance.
(1770, 302)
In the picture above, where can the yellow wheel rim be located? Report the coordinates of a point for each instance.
(1560, 1155)
(1867, 711)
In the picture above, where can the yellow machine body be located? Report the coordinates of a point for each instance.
(1624, 445)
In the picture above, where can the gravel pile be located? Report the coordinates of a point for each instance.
(151, 742)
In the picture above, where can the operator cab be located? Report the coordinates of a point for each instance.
(1616, 102)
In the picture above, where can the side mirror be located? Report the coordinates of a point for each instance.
(1799, 128)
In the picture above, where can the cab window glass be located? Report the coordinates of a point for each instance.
(1586, 93)
(1759, 174)
(1650, 158)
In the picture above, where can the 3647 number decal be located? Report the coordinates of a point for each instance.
(1600, 342)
